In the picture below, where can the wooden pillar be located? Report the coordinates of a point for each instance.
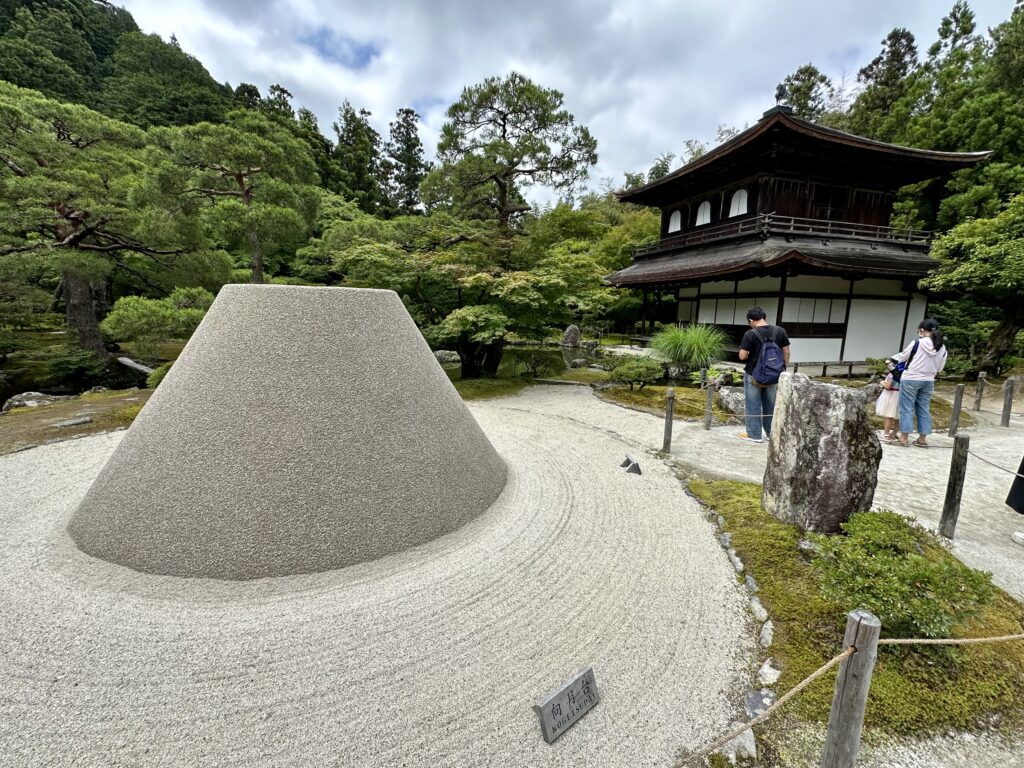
(846, 323)
(782, 299)
(643, 315)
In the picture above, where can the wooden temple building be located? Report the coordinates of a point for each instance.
(793, 217)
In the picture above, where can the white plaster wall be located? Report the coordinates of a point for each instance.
(766, 284)
(707, 311)
(879, 288)
(918, 306)
(684, 292)
(818, 284)
(814, 350)
(874, 328)
(718, 287)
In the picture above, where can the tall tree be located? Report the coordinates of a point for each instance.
(807, 90)
(404, 152)
(358, 155)
(250, 177)
(156, 83)
(246, 96)
(1008, 51)
(70, 198)
(884, 81)
(505, 135)
(984, 259)
(662, 166)
(278, 104)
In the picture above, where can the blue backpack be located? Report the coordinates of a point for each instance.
(770, 362)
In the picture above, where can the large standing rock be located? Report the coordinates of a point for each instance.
(571, 337)
(822, 457)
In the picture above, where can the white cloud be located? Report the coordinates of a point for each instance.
(644, 77)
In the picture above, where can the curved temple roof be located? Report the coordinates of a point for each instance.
(901, 165)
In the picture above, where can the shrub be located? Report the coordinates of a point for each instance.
(692, 347)
(154, 379)
(639, 370)
(900, 572)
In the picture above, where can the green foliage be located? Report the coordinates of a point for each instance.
(148, 321)
(156, 83)
(154, 379)
(807, 90)
(901, 573)
(914, 690)
(358, 154)
(405, 162)
(692, 346)
(638, 370)
(502, 136)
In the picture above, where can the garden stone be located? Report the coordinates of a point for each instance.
(756, 702)
(447, 357)
(571, 337)
(725, 540)
(72, 422)
(758, 610)
(32, 400)
(731, 400)
(767, 634)
(751, 583)
(808, 546)
(743, 747)
(579, 362)
(736, 562)
(767, 674)
(823, 455)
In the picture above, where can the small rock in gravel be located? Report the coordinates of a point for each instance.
(767, 633)
(72, 422)
(756, 702)
(736, 562)
(725, 540)
(743, 746)
(721, 522)
(758, 610)
(767, 674)
(752, 584)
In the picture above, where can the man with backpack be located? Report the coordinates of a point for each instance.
(765, 350)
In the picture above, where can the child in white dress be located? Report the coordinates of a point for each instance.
(888, 404)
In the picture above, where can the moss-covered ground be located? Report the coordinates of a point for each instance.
(915, 690)
(21, 428)
(651, 399)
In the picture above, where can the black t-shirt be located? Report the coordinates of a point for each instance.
(754, 338)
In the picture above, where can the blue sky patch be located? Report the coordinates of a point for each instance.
(340, 49)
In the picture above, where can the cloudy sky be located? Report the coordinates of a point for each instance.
(643, 76)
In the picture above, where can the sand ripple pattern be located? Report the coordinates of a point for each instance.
(431, 657)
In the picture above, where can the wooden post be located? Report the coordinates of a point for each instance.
(670, 402)
(851, 696)
(958, 404)
(709, 400)
(1007, 403)
(849, 371)
(979, 391)
(796, 367)
(703, 376)
(954, 486)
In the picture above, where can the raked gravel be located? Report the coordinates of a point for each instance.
(430, 657)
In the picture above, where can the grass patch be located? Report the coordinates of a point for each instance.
(651, 399)
(915, 690)
(481, 389)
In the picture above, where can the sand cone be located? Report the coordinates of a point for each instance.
(301, 430)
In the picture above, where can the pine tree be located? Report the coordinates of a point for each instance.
(404, 155)
(358, 155)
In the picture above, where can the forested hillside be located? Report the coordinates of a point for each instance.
(133, 185)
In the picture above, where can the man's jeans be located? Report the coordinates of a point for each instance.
(760, 402)
(916, 398)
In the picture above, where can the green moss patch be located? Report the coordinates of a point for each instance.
(481, 389)
(651, 399)
(915, 690)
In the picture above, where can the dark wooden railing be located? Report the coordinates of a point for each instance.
(767, 224)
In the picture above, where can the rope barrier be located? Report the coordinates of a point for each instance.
(982, 458)
(950, 641)
(707, 750)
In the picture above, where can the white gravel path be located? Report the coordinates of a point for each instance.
(431, 657)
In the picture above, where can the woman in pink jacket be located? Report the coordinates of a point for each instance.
(923, 360)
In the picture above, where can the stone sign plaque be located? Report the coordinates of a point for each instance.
(562, 707)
